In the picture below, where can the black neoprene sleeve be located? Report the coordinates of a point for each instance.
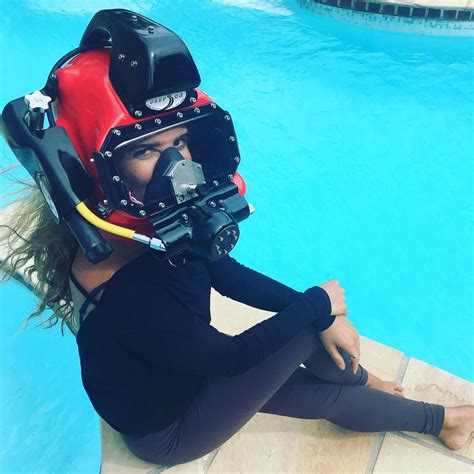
(164, 333)
(240, 283)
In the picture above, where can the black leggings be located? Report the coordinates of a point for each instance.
(278, 385)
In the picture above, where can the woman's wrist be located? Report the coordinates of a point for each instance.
(322, 306)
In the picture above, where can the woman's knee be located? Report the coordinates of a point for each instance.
(347, 376)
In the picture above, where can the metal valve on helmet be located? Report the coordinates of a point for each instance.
(185, 177)
(226, 239)
(215, 232)
(37, 104)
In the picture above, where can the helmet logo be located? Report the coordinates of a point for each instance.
(164, 102)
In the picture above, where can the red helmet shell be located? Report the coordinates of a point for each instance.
(88, 107)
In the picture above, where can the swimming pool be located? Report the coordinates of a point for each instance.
(357, 152)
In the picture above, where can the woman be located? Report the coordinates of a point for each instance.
(359, 401)
(151, 363)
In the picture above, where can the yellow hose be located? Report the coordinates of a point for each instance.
(89, 216)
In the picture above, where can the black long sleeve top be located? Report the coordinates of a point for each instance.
(147, 346)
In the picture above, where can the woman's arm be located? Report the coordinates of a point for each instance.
(240, 283)
(165, 334)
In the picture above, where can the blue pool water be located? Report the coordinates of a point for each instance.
(357, 152)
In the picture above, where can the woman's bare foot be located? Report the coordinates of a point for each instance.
(458, 426)
(394, 388)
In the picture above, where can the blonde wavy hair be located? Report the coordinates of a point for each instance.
(37, 251)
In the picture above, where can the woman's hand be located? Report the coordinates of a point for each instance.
(343, 334)
(336, 295)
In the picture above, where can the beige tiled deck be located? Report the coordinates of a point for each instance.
(425, 382)
(401, 455)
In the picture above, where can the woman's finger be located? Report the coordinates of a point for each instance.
(334, 353)
(355, 364)
(355, 361)
(358, 344)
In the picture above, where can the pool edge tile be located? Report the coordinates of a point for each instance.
(402, 455)
(427, 383)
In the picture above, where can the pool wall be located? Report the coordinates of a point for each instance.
(402, 17)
